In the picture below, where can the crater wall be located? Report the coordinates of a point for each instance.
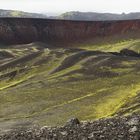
(26, 30)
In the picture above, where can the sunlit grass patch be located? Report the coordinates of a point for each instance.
(114, 47)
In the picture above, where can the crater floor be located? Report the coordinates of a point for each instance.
(40, 85)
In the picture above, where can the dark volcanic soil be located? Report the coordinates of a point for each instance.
(126, 128)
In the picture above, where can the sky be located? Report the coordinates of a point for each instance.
(60, 6)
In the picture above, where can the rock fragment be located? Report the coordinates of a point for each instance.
(72, 122)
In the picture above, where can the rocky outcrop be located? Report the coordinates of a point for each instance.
(26, 30)
(126, 52)
(126, 128)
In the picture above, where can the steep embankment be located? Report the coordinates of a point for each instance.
(21, 30)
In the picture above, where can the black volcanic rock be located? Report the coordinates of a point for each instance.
(118, 128)
(72, 122)
(128, 52)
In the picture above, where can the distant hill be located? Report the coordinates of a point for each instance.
(74, 15)
(15, 13)
(97, 16)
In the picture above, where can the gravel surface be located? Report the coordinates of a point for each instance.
(117, 128)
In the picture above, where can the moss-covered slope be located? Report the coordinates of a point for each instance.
(48, 86)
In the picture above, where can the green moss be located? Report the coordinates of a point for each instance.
(114, 47)
(15, 13)
(49, 98)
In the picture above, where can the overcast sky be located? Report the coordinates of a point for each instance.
(59, 6)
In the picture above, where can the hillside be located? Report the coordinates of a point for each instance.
(93, 16)
(82, 71)
(73, 15)
(16, 13)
